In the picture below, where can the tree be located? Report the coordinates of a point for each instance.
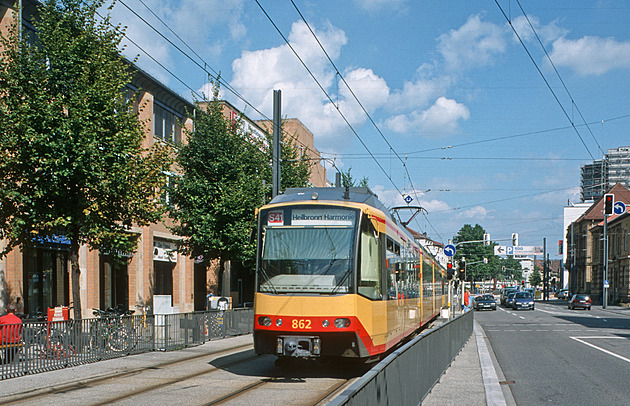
(72, 161)
(295, 169)
(535, 279)
(474, 252)
(214, 200)
(348, 181)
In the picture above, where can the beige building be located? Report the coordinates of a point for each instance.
(303, 140)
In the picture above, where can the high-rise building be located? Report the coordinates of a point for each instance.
(619, 166)
(602, 174)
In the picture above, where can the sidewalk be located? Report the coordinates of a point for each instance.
(473, 377)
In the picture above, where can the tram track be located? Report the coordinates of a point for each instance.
(231, 376)
(91, 382)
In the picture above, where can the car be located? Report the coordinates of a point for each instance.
(504, 294)
(562, 294)
(485, 302)
(580, 301)
(523, 300)
(510, 299)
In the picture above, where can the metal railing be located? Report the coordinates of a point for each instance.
(46, 346)
(407, 375)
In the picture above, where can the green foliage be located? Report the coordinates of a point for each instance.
(477, 251)
(72, 160)
(474, 252)
(214, 200)
(535, 278)
(347, 180)
(295, 169)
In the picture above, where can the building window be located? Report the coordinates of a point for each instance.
(166, 124)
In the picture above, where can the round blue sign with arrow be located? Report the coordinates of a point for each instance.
(449, 250)
(619, 208)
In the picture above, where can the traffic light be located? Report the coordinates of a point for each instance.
(609, 201)
(449, 270)
(560, 244)
(462, 270)
(515, 239)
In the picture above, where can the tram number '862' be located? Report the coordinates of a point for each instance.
(301, 324)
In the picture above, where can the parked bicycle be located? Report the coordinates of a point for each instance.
(112, 330)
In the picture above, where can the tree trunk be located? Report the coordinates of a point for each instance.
(75, 277)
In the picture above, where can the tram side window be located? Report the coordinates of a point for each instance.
(394, 264)
(369, 279)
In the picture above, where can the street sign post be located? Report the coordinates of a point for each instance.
(518, 250)
(619, 208)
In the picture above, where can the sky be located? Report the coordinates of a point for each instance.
(482, 111)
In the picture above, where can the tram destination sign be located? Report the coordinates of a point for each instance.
(518, 250)
(322, 217)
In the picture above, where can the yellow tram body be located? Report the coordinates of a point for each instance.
(337, 276)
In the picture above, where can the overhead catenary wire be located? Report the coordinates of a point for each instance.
(559, 77)
(555, 96)
(345, 119)
(343, 79)
(213, 74)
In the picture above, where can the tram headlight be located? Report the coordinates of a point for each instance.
(342, 323)
(278, 322)
(325, 323)
(264, 321)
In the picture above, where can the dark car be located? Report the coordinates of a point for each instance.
(562, 294)
(523, 300)
(504, 295)
(484, 302)
(580, 301)
(510, 299)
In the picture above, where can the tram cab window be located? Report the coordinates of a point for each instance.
(370, 263)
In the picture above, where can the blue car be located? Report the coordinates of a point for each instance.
(523, 300)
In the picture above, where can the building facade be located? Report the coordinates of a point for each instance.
(303, 140)
(38, 278)
(585, 250)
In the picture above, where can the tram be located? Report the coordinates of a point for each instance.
(338, 276)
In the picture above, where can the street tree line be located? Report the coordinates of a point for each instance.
(72, 162)
(471, 247)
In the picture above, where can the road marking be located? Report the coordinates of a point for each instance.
(602, 349)
(522, 317)
(494, 393)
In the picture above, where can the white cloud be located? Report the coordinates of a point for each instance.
(474, 44)
(441, 119)
(591, 55)
(200, 19)
(547, 33)
(477, 212)
(257, 73)
(419, 93)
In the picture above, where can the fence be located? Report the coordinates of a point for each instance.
(407, 375)
(46, 346)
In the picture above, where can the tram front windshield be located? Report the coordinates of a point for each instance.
(298, 259)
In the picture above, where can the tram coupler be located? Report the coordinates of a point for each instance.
(298, 346)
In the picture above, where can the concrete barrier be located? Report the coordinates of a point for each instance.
(407, 375)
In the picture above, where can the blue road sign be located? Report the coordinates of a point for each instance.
(619, 208)
(449, 250)
(509, 250)
(408, 199)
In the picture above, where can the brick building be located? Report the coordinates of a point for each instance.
(39, 277)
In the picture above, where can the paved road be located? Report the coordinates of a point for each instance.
(553, 355)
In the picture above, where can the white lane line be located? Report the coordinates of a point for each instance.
(602, 349)
(494, 393)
